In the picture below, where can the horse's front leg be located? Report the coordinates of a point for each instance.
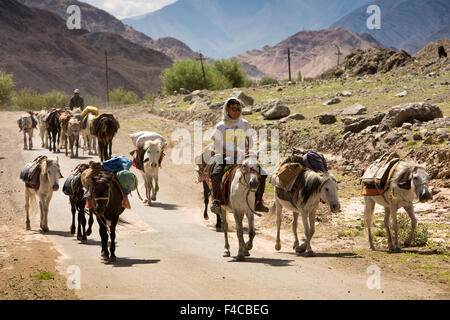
(30, 140)
(369, 206)
(296, 246)
(238, 217)
(278, 209)
(27, 208)
(226, 251)
(104, 236)
(412, 216)
(25, 147)
(387, 226)
(81, 225)
(312, 229)
(72, 227)
(90, 222)
(112, 234)
(156, 187)
(206, 193)
(395, 222)
(251, 232)
(78, 142)
(46, 207)
(110, 149)
(305, 216)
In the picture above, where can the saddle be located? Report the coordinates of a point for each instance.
(376, 177)
(73, 181)
(292, 194)
(31, 172)
(227, 177)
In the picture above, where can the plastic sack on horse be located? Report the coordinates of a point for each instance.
(117, 164)
(127, 180)
(315, 161)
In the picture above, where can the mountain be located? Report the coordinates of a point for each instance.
(405, 24)
(312, 52)
(97, 20)
(221, 29)
(37, 47)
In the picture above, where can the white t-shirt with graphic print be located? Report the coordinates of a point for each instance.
(231, 136)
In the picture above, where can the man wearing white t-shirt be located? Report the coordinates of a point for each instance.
(232, 136)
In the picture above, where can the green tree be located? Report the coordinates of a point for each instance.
(299, 76)
(6, 87)
(233, 71)
(186, 74)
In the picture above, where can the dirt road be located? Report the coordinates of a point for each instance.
(167, 251)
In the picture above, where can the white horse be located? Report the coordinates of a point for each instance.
(42, 129)
(409, 181)
(26, 125)
(241, 201)
(73, 133)
(49, 177)
(88, 138)
(153, 150)
(311, 188)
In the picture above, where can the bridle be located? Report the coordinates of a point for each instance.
(246, 172)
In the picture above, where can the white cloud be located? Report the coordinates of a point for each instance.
(128, 8)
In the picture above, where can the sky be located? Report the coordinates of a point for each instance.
(128, 8)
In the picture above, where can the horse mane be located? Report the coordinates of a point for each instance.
(310, 183)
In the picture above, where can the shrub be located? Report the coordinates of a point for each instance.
(56, 99)
(183, 74)
(421, 233)
(122, 96)
(299, 76)
(6, 87)
(266, 80)
(28, 99)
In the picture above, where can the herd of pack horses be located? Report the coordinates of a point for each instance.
(390, 181)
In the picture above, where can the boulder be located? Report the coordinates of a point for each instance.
(332, 101)
(296, 116)
(408, 112)
(247, 111)
(356, 109)
(275, 112)
(184, 91)
(216, 106)
(326, 118)
(361, 125)
(350, 120)
(402, 94)
(188, 98)
(248, 101)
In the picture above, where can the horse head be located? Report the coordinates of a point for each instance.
(153, 150)
(74, 126)
(329, 192)
(100, 190)
(415, 178)
(250, 172)
(52, 170)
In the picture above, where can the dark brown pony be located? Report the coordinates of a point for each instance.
(54, 130)
(106, 198)
(105, 127)
(78, 204)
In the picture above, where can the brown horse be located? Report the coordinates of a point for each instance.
(54, 129)
(106, 200)
(105, 127)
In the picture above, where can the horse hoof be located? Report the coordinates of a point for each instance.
(310, 254)
(247, 254)
(240, 257)
(226, 253)
(72, 230)
(278, 246)
(154, 198)
(206, 218)
(28, 227)
(112, 260)
(88, 233)
(249, 246)
(301, 249)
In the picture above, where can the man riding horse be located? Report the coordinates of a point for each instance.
(230, 133)
(76, 101)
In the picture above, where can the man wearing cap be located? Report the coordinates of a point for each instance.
(76, 101)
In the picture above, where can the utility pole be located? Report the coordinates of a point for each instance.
(338, 53)
(203, 70)
(107, 78)
(289, 63)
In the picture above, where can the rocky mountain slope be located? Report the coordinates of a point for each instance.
(405, 24)
(97, 20)
(312, 52)
(43, 54)
(221, 29)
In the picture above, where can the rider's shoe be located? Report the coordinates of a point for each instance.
(261, 207)
(215, 207)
